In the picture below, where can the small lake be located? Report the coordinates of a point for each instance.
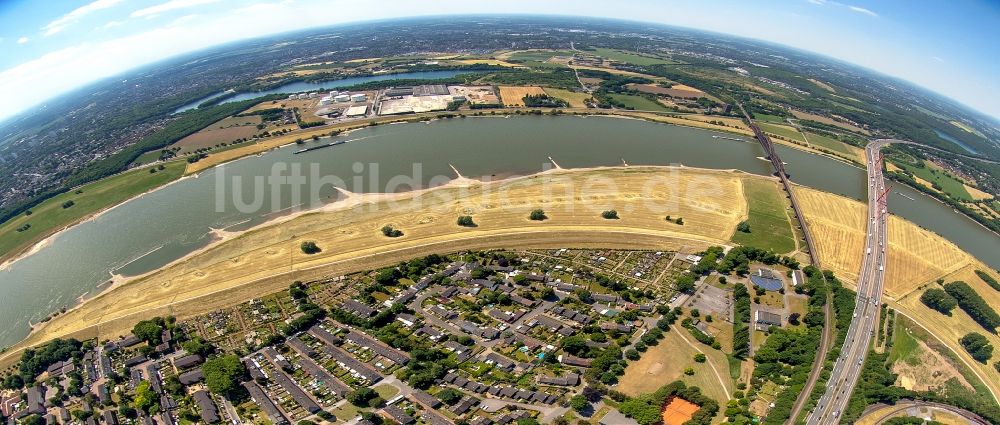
(948, 137)
(304, 86)
(150, 231)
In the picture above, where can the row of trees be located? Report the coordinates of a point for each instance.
(988, 279)
(973, 304)
(741, 321)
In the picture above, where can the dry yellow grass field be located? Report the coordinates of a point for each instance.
(731, 122)
(666, 361)
(575, 99)
(494, 62)
(823, 85)
(513, 96)
(976, 193)
(827, 120)
(619, 72)
(679, 86)
(915, 255)
(696, 121)
(268, 259)
(916, 259)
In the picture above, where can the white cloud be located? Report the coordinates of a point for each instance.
(853, 8)
(110, 24)
(168, 6)
(863, 10)
(22, 40)
(68, 19)
(937, 59)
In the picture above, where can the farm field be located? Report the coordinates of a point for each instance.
(769, 118)
(977, 194)
(785, 131)
(915, 256)
(620, 56)
(829, 121)
(536, 58)
(50, 216)
(823, 85)
(769, 221)
(575, 99)
(514, 96)
(264, 260)
(639, 103)
(831, 144)
(226, 131)
(495, 62)
(948, 184)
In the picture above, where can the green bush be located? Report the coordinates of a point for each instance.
(391, 232)
(978, 346)
(309, 247)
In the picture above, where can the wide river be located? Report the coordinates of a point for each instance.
(150, 231)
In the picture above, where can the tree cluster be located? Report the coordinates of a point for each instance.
(978, 346)
(974, 305)
(939, 300)
(223, 375)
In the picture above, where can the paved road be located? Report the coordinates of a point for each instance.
(866, 310)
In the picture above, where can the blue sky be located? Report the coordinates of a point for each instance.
(947, 46)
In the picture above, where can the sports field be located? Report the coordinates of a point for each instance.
(770, 227)
(50, 216)
(678, 411)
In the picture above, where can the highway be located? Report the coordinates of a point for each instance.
(849, 365)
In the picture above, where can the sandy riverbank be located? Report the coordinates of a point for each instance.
(427, 217)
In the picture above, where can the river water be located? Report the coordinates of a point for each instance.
(159, 227)
(304, 86)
